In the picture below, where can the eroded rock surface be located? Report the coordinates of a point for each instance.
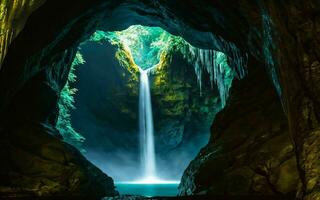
(37, 164)
(250, 150)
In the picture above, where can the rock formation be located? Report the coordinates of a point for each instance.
(250, 150)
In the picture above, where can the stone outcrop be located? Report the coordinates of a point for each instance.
(37, 164)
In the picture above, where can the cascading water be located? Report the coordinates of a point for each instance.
(148, 157)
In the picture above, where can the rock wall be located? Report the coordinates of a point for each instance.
(250, 150)
(36, 164)
(181, 113)
(13, 15)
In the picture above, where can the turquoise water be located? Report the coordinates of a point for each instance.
(149, 190)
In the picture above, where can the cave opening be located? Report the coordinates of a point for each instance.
(265, 142)
(105, 108)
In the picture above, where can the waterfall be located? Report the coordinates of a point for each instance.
(148, 158)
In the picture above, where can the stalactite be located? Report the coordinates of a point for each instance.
(216, 64)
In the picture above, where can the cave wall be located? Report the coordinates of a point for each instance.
(37, 164)
(298, 62)
(13, 15)
(282, 34)
(250, 150)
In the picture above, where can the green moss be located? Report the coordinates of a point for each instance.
(152, 47)
(66, 104)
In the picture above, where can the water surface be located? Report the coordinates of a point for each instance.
(149, 190)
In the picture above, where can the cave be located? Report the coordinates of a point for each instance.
(263, 128)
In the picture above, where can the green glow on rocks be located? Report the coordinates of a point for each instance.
(66, 104)
(150, 47)
(144, 44)
(147, 47)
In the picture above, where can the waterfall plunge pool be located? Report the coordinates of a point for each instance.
(148, 189)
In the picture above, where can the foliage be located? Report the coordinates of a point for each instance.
(144, 45)
(141, 48)
(66, 104)
(152, 47)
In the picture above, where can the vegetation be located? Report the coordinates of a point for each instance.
(152, 47)
(66, 104)
(141, 48)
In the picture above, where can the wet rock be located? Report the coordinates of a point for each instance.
(171, 133)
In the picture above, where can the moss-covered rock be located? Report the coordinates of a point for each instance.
(178, 105)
